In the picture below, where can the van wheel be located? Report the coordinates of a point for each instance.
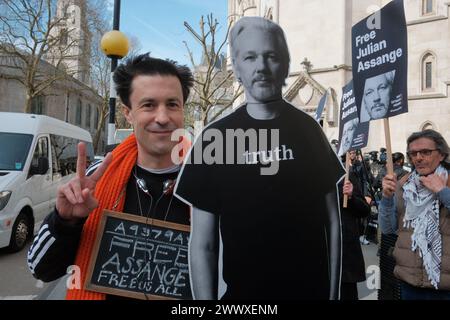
(20, 233)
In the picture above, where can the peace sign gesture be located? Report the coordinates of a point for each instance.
(75, 199)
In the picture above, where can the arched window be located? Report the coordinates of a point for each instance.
(427, 125)
(96, 118)
(38, 105)
(64, 37)
(88, 117)
(428, 72)
(428, 7)
(78, 113)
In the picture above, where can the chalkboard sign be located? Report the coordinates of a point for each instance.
(140, 258)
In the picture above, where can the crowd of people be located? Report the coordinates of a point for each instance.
(263, 211)
(411, 207)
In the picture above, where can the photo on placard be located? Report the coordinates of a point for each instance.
(348, 134)
(380, 63)
(377, 95)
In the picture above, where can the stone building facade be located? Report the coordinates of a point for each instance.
(69, 100)
(320, 31)
(73, 99)
(75, 38)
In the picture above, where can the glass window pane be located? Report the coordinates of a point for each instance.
(88, 117)
(429, 6)
(14, 150)
(64, 36)
(65, 149)
(96, 118)
(41, 151)
(428, 75)
(38, 105)
(78, 113)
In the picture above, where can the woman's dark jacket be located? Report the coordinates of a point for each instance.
(353, 268)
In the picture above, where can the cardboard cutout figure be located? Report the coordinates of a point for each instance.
(265, 178)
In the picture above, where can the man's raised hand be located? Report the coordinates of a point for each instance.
(435, 183)
(75, 199)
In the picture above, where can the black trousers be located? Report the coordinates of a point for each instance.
(349, 291)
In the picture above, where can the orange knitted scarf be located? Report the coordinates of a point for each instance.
(109, 189)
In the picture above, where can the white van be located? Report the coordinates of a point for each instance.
(122, 134)
(37, 154)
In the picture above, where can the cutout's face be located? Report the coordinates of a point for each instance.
(377, 95)
(259, 65)
(156, 111)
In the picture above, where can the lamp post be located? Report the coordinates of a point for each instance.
(115, 45)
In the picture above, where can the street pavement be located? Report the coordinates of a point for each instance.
(365, 290)
(17, 283)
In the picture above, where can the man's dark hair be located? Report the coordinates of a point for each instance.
(438, 139)
(145, 65)
(397, 156)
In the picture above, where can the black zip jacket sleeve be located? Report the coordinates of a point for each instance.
(54, 248)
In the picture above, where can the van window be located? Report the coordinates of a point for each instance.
(56, 170)
(14, 150)
(66, 153)
(41, 151)
(89, 152)
(122, 134)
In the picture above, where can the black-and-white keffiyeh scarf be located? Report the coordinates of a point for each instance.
(422, 214)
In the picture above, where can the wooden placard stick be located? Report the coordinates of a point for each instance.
(347, 170)
(387, 133)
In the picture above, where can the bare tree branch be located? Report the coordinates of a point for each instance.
(229, 105)
(37, 44)
(213, 84)
(30, 32)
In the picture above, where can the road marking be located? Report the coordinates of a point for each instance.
(30, 297)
